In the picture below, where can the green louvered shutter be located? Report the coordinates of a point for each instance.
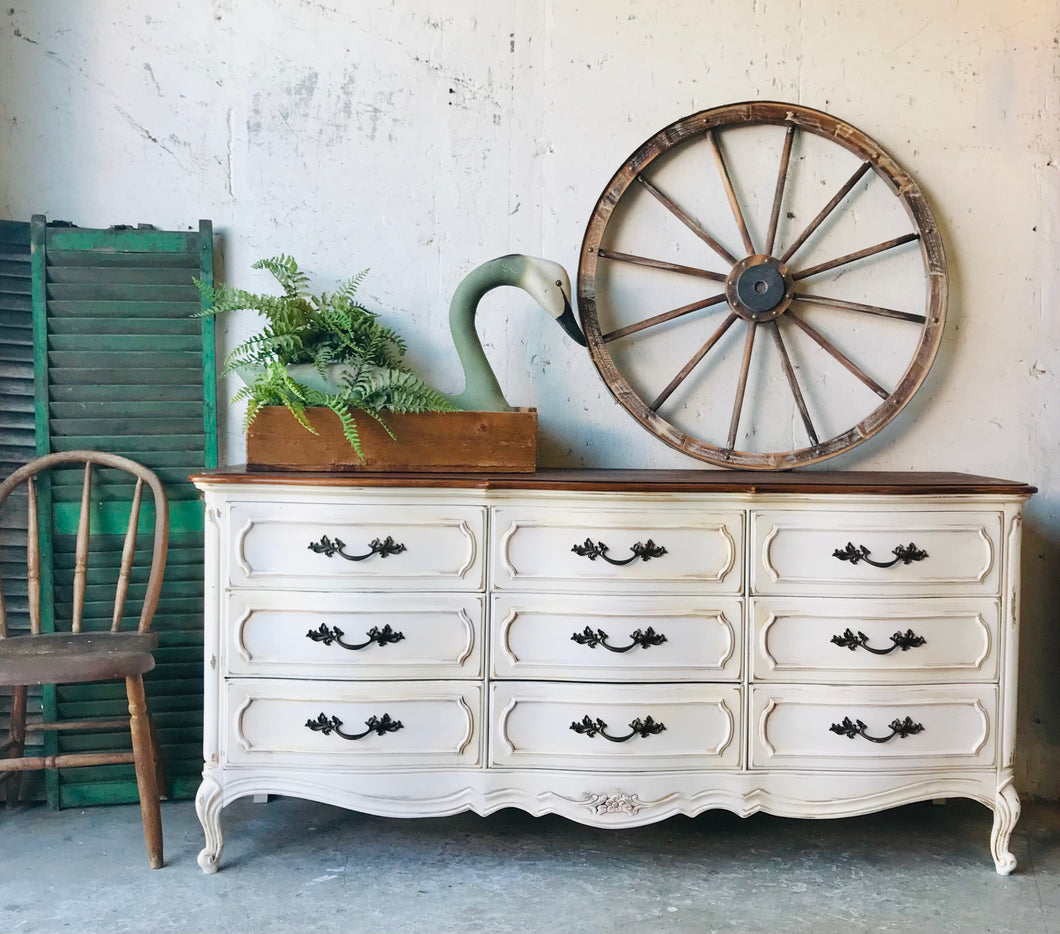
(124, 365)
(17, 439)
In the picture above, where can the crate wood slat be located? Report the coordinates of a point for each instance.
(425, 441)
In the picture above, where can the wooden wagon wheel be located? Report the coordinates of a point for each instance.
(782, 276)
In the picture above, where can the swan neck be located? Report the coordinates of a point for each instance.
(481, 391)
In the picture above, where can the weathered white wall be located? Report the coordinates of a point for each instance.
(419, 139)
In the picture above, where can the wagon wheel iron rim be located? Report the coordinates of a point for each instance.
(762, 287)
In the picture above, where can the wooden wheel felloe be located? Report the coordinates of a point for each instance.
(789, 232)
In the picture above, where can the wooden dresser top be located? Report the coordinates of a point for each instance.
(927, 483)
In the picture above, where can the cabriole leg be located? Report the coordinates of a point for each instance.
(208, 802)
(1006, 813)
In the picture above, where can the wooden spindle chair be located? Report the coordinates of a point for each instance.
(87, 656)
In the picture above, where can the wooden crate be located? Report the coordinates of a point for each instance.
(499, 442)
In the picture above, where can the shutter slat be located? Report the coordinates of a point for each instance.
(77, 308)
(114, 275)
(128, 376)
(135, 347)
(58, 258)
(103, 292)
(96, 327)
(121, 242)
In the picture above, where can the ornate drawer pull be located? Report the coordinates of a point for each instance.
(644, 638)
(593, 550)
(642, 728)
(376, 636)
(383, 548)
(378, 725)
(907, 554)
(899, 728)
(901, 640)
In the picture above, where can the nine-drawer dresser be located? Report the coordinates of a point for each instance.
(613, 646)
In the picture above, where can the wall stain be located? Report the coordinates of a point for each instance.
(151, 75)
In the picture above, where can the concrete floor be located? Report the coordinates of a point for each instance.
(297, 866)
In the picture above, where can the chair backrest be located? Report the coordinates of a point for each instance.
(28, 475)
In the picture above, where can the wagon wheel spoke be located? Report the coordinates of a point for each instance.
(778, 191)
(730, 192)
(793, 383)
(741, 386)
(662, 264)
(694, 362)
(858, 254)
(825, 211)
(858, 306)
(690, 222)
(828, 346)
(663, 318)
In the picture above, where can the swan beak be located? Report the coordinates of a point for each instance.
(570, 325)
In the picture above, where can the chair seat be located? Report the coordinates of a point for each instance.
(70, 658)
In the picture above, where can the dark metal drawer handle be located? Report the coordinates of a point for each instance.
(644, 638)
(383, 548)
(593, 550)
(376, 636)
(907, 554)
(901, 640)
(899, 728)
(378, 725)
(642, 728)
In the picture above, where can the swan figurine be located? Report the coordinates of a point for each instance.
(543, 280)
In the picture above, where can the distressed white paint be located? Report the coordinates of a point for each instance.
(421, 139)
(728, 736)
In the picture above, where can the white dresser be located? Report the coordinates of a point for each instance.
(613, 646)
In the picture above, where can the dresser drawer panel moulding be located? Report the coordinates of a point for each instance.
(605, 727)
(571, 548)
(332, 545)
(865, 641)
(613, 646)
(874, 728)
(394, 724)
(292, 634)
(877, 552)
(600, 637)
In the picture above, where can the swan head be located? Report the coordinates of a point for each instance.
(548, 284)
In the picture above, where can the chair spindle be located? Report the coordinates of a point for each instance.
(127, 556)
(33, 558)
(81, 554)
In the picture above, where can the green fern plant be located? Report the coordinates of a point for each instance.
(302, 328)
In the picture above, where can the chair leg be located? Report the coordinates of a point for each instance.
(17, 738)
(146, 775)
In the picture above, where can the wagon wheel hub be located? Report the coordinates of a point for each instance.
(759, 288)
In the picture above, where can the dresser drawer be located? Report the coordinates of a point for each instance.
(280, 633)
(832, 552)
(672, 726)
(386, 724)
(836, 640)
(803, 727)
(613, 549)
(301, 546)
(602, 638)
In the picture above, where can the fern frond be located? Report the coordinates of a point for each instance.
(349, 425)
(284, 269)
